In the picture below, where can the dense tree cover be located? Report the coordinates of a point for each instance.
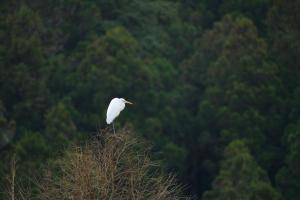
(240, 177)
(215, 85)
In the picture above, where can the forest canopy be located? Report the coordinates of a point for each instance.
(215, 86)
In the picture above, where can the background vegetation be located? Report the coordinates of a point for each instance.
(215, 85)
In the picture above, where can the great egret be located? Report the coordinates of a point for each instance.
(116, 105)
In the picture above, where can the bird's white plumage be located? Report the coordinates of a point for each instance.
(116, 105)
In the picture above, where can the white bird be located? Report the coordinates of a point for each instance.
(116, 105)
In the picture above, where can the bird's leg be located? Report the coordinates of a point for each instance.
(113, 127)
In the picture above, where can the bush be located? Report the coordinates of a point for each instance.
(108, 167)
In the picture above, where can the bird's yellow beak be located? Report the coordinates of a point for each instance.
(128, 102)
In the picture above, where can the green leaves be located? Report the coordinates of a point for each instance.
(200, 74)
(240, 177)
(288, 176)
(60, 128)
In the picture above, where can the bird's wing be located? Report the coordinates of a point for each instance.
(114, 109)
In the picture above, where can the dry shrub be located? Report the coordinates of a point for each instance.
(111, 166)
(12, 188)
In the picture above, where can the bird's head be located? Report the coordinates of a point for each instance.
(124, 101)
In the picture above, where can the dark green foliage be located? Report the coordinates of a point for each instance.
(254, 9)
(60, 128)
(288, 177)
(284, 28)
(239, 91)
(22, 86)
(240, 177)
(7, 128)
(201, 74)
